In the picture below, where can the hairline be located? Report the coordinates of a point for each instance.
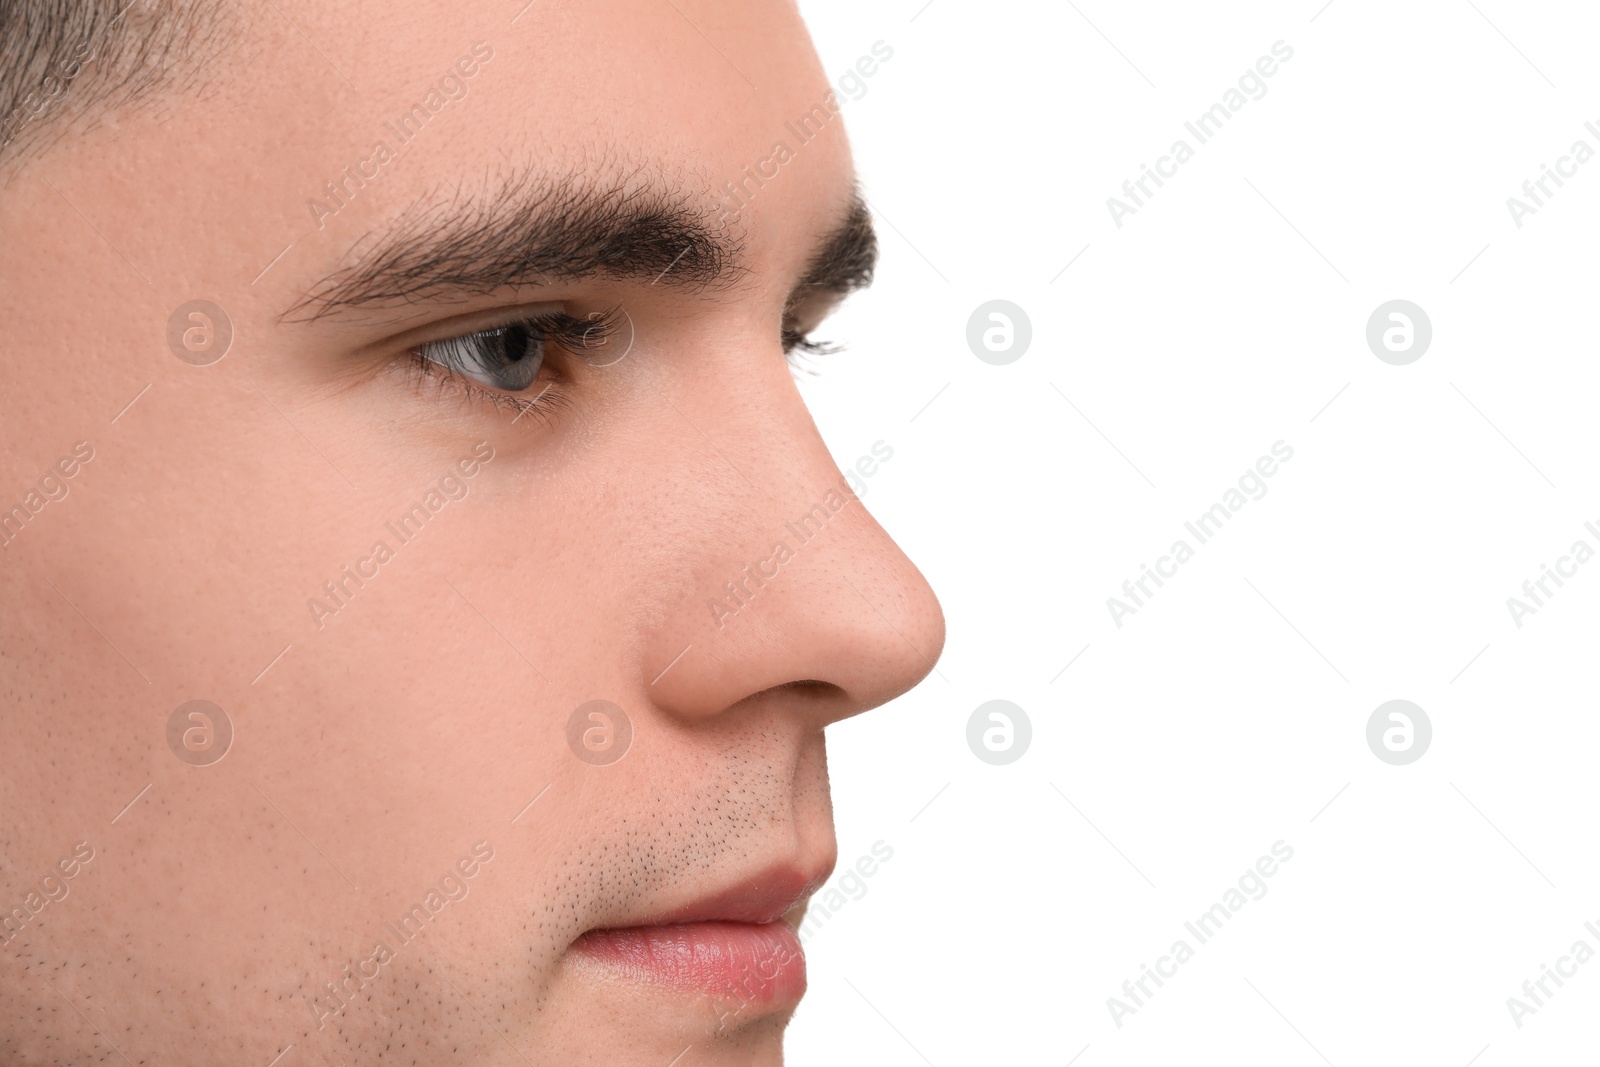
(103, 55)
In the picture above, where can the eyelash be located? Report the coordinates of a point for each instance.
(794, 340)
(568, 333)
(800, 350)
(572, 335)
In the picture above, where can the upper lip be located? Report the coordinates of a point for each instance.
(761, 897)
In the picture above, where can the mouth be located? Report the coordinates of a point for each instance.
(739, 945)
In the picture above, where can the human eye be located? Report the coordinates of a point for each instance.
(802, 318)
(508, 358)
(798, 341)
(502, 361)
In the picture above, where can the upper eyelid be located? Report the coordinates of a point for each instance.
(487, 320)
(466, 325)
(829, 300)
(806, 290)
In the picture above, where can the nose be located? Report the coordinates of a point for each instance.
(787, 581)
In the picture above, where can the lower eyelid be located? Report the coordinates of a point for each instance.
(543, 402)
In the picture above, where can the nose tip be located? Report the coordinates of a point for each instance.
(824, 603)
(894, 591)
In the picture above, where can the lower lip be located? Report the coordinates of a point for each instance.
(748, 963)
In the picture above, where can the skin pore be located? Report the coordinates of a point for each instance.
(419, 722)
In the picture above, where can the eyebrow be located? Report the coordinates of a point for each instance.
(846, 259)
(534, 231)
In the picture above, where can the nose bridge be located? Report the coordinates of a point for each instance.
(787, 579)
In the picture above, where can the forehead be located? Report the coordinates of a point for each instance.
(333, 119)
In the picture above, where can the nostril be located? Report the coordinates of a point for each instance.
(810, 684)
(812, 688)
(804, 692)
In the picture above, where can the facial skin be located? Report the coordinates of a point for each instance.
(425, 714)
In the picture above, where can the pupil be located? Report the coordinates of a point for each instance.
(520, 352)
(515, 342)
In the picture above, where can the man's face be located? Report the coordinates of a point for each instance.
(402, 579)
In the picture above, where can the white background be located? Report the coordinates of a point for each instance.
(1230, 712)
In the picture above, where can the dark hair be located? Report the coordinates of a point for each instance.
(62, 60)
